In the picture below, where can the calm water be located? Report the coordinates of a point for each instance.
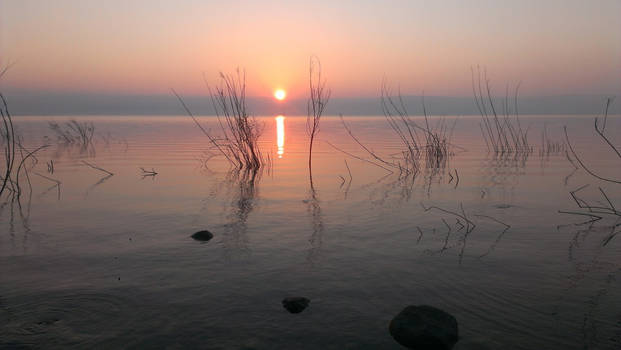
(107, 261)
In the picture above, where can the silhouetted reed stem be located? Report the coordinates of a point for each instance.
(600, 130)
(319, 97)
(8, 138)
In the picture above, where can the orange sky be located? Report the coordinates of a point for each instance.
(147, 47)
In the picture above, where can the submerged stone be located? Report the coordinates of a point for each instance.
(48, 322)
(295, 305)
(424, 327)
(202, 236)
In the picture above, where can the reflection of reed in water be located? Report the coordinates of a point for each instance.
(62, 150)
(17, 211)
(596, 212)
(503, 169)
(243, 184)
(74, 136)
(101, 181)
(316, 239)
(550, 146)
(592, 326)
(597, 222)
(463, 226)
(595, 270)
(403, 187)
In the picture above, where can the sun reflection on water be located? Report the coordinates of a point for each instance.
(280, 135)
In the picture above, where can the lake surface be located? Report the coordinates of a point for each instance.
(107, 261)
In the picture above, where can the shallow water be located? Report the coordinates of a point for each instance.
(108, 261)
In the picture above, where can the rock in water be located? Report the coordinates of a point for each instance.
(424, 327)
(295, 305)
(202, 236)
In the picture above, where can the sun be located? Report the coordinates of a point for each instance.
(280, 94)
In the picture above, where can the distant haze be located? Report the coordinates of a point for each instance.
(89, 104)
(121, 56)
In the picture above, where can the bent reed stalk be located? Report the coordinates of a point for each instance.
(240, 132)
(9, 141)
(600, 129)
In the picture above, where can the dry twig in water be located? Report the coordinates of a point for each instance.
(97, 168)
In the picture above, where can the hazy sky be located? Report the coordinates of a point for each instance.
(148, 46)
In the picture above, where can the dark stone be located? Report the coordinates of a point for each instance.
(424, 327)
(48, 322)
(295, 305)
(203, 236)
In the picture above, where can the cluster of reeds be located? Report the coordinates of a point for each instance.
(501, 128)
(238, 140)
(550, 146)
(427, 146)
(74, 132)
(433, 147)
(397, 116)
(319, 97)
(13, 168)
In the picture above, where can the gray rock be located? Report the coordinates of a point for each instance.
(202, 236)
(471, 344)
(424, 327)
(295, 305)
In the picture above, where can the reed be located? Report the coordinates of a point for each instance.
(144, 172)
(600, 130)
(549, 145)
(9, 142)
(10, 178)
(501, 128)
(97, 168)
(397, 117)
(22, 167)
(74, 132)
(603, 208)
(428, 146)
(319, 97)
(238, 140)
(596, 211)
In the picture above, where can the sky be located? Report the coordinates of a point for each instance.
(147, 47)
